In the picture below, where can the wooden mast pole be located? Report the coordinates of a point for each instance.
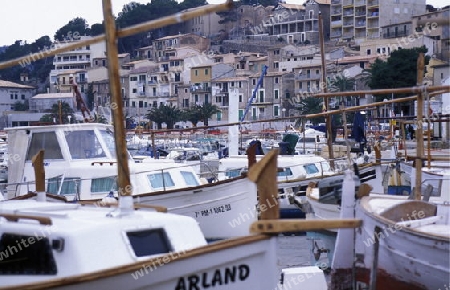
(324, 85)
(123, 176)
(419, 131)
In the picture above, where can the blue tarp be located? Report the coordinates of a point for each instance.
(358, 128)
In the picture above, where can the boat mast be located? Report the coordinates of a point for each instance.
(325, 89)
(419, 131)
(123, 176)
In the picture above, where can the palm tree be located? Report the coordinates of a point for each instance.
(192, 115)
(155, 114)
(206, 111)
(171, 114)
(341, 83)
(62, 109)
(168, 114)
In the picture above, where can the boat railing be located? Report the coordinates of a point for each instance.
(55, 183)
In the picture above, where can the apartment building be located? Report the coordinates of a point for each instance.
(163, 47)
(358, 20)
(429, 30)
(297, 24)
(103, 60)
(272, 97)
(201, 78)
(435, 26)
(80, 59)
(221, 89)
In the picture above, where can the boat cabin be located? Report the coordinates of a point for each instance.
(80, 163)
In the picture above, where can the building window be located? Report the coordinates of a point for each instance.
(254, 82)
(206, 71)
(240, 84)
(276, 80)
(134, 90)
(261, 96)
(276, 94)
(195, 72)
(276, 111)
(240, 98)
(369, 52)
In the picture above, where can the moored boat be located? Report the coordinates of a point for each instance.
(81, 164)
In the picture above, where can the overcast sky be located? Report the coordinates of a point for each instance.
(30, 19)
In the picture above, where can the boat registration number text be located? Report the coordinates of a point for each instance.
(213, 210)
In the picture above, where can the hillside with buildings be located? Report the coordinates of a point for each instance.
(211, 60)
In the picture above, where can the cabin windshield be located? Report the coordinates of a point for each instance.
(108, 137)
(46, 141)
(84, 144)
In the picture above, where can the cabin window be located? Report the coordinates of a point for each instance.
(70, 185)
(35, 259)
(149, 242)
(285, 172)
(160, 180)
(311, 168)
(83, 144)
(189, 178)
(105, 184)
(46, 141)
(231, 173)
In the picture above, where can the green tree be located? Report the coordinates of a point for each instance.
(76, 27)
(168, 114)
(398, 71)
(19, 106)
(311, 105)
(97, 29)
(192, 114)
(206, 111)
(62, 109)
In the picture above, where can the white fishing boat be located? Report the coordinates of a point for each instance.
(81, 164)
(295, 174)
(406, 241)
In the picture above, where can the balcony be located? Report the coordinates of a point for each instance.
(348, 23)
(393, 34)
(200, 89)
(360, 24)
(347, 3)
(372, 3)
(360, 2)
(348, 12)
(307, 76)
(336, 23)
(347, 35)
(336, 34)
(263, 102)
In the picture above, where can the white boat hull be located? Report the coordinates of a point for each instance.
(324, 211)
(407, 258)
(223, 210)
(252, 265)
